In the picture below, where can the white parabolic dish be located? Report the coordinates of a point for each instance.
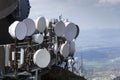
(18, 30)
(30, 24)
(59, 28)
(41, 23)
(41, 58)
(37, 38)
(70, 31)
(64, 50)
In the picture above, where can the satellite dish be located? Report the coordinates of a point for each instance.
(18, 30)
(70, 31)
(72, 47)
(30, 26)
(7, 7)
(64, 50)
(41, 58)
(41, 23)
(37, 38)
(78, 31)
(59, 28)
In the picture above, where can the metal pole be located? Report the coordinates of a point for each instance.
(15, 61)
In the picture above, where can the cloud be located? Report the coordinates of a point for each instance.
(109, 2)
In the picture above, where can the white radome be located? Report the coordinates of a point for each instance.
(59, 28)
(70, 31)
(41, 58)
(18, 30)
(30, 24)
(41, 24)
(37, 38)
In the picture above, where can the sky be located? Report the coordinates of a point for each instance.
(88, 14)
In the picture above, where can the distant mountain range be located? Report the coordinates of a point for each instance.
(99, 46)
(95, 54)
